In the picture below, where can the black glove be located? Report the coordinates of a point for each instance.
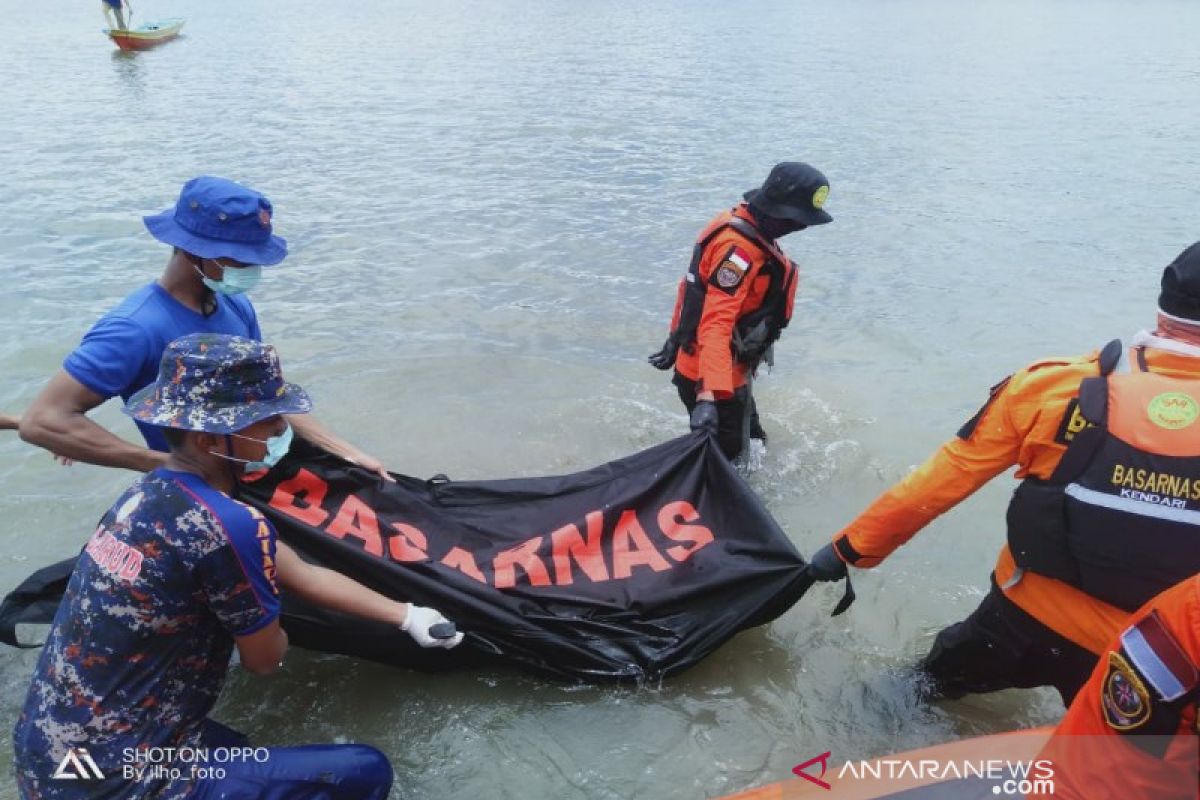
(665, 358)
(704, 417)
(826, 565)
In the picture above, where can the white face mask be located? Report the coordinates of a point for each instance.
(277, 448)
(234, 280)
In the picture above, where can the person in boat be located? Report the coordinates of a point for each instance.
(221, 236)
(176, 575)
(1137, 714)
(736, 299)
(1105, 517)
(116, 9)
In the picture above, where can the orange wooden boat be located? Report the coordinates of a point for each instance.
(145, 36)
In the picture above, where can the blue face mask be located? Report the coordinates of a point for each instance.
(277, 448)
(234, 280)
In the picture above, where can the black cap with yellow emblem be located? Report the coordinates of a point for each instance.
(794, 190)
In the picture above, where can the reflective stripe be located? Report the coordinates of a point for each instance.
(1152, 668)
(1163, 343)
(1140, 507)
(1018, 573)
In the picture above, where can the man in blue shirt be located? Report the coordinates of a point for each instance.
(221, 235)
(177, 574)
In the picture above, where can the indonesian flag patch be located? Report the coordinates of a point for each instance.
(1156, 655)
(1146, 678)
(729, 273)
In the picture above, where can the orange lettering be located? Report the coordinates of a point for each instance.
(669, 519)
(268, 568)
(115, 555)
(642, 553)
(567, 542)
(357, 519)
(104, 549)
(305, 485)
(408, 544)
(133, 565)
(524, 556)
(95, 548)
(464, 562)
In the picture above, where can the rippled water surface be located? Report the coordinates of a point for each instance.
(488, 205)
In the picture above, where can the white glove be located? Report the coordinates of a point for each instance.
(420, 619)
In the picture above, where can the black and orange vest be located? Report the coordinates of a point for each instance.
(757, 330)
(1120, 516)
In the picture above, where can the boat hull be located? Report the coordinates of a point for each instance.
(147, 36)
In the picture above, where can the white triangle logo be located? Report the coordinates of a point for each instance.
(77, 765)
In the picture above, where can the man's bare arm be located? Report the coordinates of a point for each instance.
(57, 420)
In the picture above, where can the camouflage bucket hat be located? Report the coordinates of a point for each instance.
(216, 383)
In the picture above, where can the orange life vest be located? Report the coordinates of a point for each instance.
(1120, 516)
(757, 328)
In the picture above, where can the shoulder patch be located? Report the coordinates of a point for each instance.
(1153, 651)
(1073, 423)
(733, 267)
(1124, 699)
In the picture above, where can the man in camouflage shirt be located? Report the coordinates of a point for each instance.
(175, 575)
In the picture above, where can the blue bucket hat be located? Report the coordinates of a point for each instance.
(216, 383)
(217, 218)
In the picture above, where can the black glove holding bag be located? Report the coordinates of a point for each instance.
(704, 417)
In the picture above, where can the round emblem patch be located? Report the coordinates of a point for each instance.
(819, 196)
(1173, 410)
(1124, 698)
(728, 276)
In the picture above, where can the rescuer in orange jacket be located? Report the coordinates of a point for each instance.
(736, 299)
(1131, 732)
(1107, 514)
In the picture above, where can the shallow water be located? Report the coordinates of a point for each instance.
(489, 206)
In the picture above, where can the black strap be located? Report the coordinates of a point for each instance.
(1141, 359)
(1093, 399)
(35, 601)
(848, 596)
(1110, 356)
(435, 483)
(1093, 407)
(752, 233)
